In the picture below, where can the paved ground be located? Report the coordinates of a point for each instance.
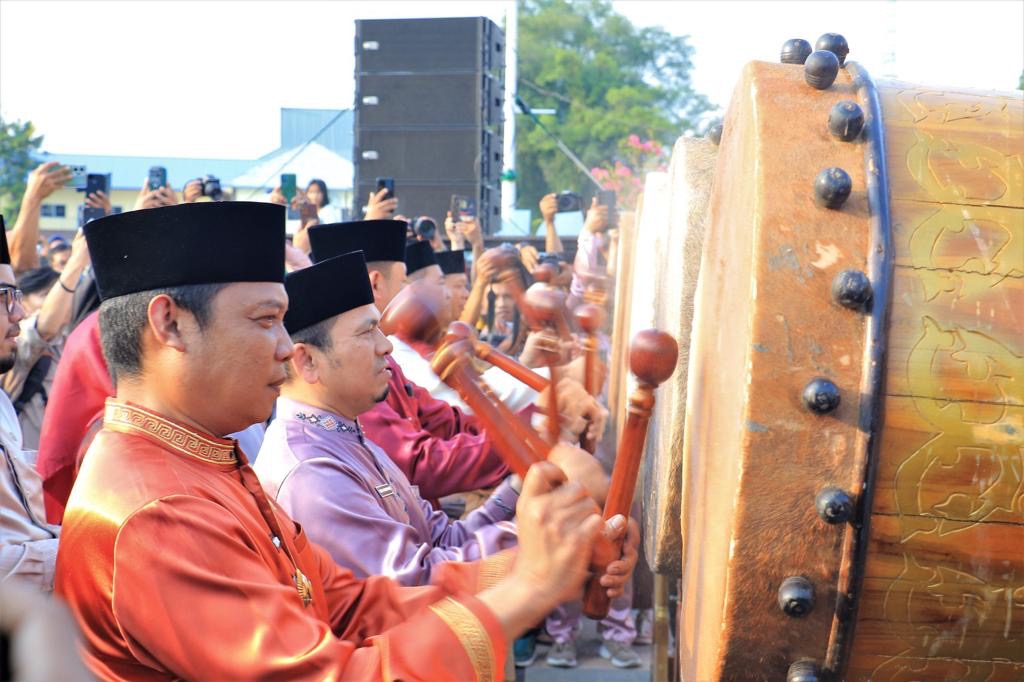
(591, 665)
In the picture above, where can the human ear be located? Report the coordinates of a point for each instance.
(165, 320)
(304, 363)
(376, 282)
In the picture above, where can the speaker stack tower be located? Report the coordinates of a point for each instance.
(428, 112)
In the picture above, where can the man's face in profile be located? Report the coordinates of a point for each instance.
(9, 328)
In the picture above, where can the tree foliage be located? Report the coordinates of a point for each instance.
(607, 79)
(16, 146)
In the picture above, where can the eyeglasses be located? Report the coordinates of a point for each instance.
(12, 297)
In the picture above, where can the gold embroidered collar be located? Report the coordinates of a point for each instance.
(128, 418)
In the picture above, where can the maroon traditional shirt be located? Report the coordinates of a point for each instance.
(438, 447)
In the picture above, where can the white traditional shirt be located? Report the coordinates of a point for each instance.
(514, 393)
(28, 545)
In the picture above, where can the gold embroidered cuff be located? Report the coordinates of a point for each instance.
(494, 568)
(471, 633)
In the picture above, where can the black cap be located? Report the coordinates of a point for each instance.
(418, 255)
(5, 253)
(329, 288)
(451, 262)
(199, 243)
(379, 240)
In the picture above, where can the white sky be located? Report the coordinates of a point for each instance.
(207, 79)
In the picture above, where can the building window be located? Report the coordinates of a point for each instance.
(52, 210)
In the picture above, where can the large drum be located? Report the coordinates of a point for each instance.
(852, 494)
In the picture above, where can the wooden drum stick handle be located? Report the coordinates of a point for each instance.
(509, 434)
(517, 370)
(652, 357)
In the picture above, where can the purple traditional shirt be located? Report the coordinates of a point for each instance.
(356, 503)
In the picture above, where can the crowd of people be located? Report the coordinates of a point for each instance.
(225, 468)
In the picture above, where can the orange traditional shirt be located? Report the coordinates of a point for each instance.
(176, 565)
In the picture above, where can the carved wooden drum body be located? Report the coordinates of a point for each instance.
(853, 452)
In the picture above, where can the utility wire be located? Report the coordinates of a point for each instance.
(299, 151)
(561, 145)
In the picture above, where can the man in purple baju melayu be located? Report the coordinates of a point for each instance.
(323, 470)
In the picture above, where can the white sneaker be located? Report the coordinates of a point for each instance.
(620, 654)
(562, 655)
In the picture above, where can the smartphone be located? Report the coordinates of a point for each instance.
(463, 208)
(157, 177)
(97, 182)
(288, 186)
(389, 185)
(87, 214)
(606, 197)
(78, 176)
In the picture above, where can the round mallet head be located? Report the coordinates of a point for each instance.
(652, 356)
(589, 318)
(412, 315)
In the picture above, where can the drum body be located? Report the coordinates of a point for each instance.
(667, 242)
(925, 581)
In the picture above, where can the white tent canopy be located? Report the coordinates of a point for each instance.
(315, 161)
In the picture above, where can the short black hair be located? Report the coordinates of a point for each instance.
(36, 280)
(123, 318)
(323, 189)
(317, 335)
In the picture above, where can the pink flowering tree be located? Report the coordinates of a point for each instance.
(626, 174)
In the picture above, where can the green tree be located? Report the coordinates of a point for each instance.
(607, 79)
(16, 146)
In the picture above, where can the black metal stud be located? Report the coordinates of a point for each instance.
(804, 670)
(821, 396)
(821, 69)
(795, 51)
(834, 505)
(834, 43)
(715, 134)
(846, 120)
(796, 596)
(832, 187)
(851, 289)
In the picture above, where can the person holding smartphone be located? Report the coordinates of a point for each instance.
(316, 193)
(42, 182)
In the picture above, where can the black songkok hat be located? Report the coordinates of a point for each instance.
(451, 262)
(418, 255)
(5, 253)
(200, 243)
(379, 240)
(329, 288)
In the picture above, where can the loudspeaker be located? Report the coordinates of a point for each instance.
(429, 113)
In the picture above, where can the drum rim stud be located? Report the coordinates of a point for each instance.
(803, 670)
(832, 187)
(821, 69)
(834, 505)
(796, 596)
(834, 43)
(852, 289)
(846, 120)
(795, 51)
(821, 396)
(715, 134)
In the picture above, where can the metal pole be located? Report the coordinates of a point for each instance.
(660, 671)
(508, 189)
